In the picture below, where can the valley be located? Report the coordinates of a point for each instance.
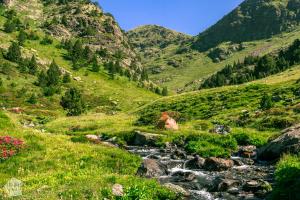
(89, 111)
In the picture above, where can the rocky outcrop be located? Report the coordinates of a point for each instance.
(217, 164)
(167, 122)
(143, 138)
(288, 142)
(152, 168)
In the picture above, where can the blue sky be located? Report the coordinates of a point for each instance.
(187, 16)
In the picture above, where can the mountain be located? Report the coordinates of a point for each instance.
(182, 67)
(145, 38)
(252, 20)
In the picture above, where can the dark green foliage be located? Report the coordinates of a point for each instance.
(47, 40)
(32, 99)
(255, 68)
(22, 37)
(266, 102)
(287, 178)
(95, 65)
(254, 19)
(53, 75)
(50, 81)
(32, 66)
(14, 53)
(33, 36)
(164, 91)
(73, 102)
(66, 78)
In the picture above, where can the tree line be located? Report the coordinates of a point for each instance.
(253, 67)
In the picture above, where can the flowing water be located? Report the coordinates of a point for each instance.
(200, 183)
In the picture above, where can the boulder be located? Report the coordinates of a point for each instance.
(196, 163)
(223, 184)
(177, 189)
(217, 164)
(77, 78)
(152, 168)
(17, 110)
(142, 138)
(247, 151)
(288, 142)
(183, 176)
(178, 154)
(167, 122)
(118, 190)
(257, 186)
(93, 138)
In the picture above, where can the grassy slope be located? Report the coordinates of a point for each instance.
(54, 166)
(197, 65)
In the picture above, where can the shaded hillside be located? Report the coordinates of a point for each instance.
(252, 20)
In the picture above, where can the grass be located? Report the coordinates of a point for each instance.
(53, 166)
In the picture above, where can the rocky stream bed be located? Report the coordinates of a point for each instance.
(206, 179)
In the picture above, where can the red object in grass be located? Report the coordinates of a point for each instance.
(9, 147)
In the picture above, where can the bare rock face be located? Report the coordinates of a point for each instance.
(152, 168)
(288, 142)
(218, 164)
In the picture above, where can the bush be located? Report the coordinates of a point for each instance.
(73, 102)
(274, 122)
(208, 145)
(9, 147)
(287, 177)
(46, 40)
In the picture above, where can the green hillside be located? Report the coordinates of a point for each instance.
(67, 71)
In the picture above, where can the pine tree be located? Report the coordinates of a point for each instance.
(165, 91)
(73, 102)
(42, 79)
(53, 74)
(14, 53)
(77, 51)
(266, 102)
(67, 78)
(95, 65)
(22, 37)
(10, 26)
(32, 66)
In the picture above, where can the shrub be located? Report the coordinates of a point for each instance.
(275, 122)
(266, 102)
(208, 145)
(287, 176)
(9, 147)
(73, 102)
(46, 40)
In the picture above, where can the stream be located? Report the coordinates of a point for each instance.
(245, 180)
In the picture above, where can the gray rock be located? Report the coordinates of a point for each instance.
(142, 138)
(196, 163)
(223, 184)
(288, 142)
(152, 168)
(177, 189)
